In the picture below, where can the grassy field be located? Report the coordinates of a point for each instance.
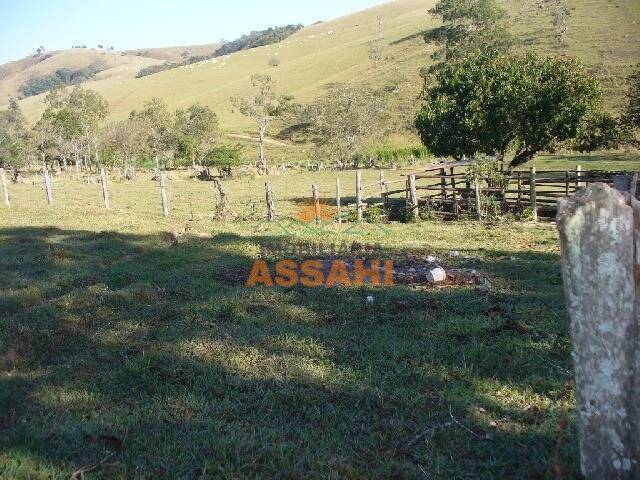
(130, 347)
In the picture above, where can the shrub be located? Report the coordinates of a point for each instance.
(274, 62)
(375, 214)
(224, 157)
(388, 154)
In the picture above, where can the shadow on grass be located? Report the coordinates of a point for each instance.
(409, 38)
(151, 355)
(587, 158)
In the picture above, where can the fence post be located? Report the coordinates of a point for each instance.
(532, 193)
(338, 206)
(413, 196)
(566, 183)
(443, 183)
(163, 194)
(221, 207)
(578, 177)
(359, 194)
(598, 229)
(3, 178)
(105, 187)
(271, 213)
(454, 193)
(519, 175)
(47, 186)
(634, 185)
(383, 188)
(316, 203)
(476, 186)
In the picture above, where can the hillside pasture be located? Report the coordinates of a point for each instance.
(337, 51)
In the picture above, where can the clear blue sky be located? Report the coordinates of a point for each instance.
(127, 24)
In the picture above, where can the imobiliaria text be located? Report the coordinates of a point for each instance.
(322, 273)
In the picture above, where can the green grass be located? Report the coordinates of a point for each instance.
(614, 161)
(128, 341)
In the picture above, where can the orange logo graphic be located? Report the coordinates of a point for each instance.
(316, 273)
(309, 213)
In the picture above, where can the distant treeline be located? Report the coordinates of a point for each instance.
(252, 40)
(257, 39)
(61, 77)
(151, 69)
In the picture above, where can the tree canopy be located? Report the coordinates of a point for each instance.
(195, 131)
(264, 107)
(341, 120)
(257, 39)
(493, 103)
(13, 135)
(60, 78)
(70, 121)
(468, 25)
(632, 110)
(157, 122)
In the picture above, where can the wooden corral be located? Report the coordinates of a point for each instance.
(448, 191)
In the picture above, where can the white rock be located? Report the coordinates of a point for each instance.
(370, 299)
(431, 259)
(436, 275)
(454, 253)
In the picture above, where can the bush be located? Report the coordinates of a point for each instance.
(387, 154)
(375, 214)
(224, 157)
(274, 62)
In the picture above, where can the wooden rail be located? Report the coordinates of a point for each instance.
(447, 189)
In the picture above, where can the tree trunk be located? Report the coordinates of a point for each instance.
(271, 212)
(521, 158)
(3, 178)
(263, 159)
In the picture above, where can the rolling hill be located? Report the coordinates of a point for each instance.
(603, 33)
(113, 65)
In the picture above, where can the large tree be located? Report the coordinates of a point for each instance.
(128, 138)
(195, 131)
(71, 121)
(632, 110)
(495, 103)
(157, 122)
(342, 119)
(468, 25)
(13, 136)
(264, 108)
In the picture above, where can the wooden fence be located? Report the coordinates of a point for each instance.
(443, 189)
(448, 191)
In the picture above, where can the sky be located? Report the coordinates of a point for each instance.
(129, 24)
